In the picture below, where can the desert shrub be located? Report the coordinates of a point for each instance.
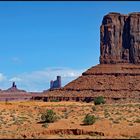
(49, 116)
(116, 121)
(130, 124)
(45, 125)
(99, 100)
(93, 108)
(137, 121)
(89, 119)
(54, 100)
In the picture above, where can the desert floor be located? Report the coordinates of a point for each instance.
(22, 119)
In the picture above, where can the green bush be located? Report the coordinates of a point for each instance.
(89, 119)
(99, 100)
(49, 116)
(54, 100)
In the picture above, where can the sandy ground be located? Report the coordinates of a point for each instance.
(22, 120)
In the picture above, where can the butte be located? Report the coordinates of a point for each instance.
(117, 77)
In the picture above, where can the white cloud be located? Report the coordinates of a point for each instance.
(16, 79)
(40, 80)
(2, 77)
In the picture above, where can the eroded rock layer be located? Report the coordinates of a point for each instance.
(112, 81)
(108, 77)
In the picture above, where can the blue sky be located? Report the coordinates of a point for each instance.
(40, 40)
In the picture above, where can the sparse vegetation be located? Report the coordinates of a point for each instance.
(137, 121)
(130, 124)
(89, 119)
(94, 108)
(24, 118)
(99, 100)
(54, 100)
(49, 116)
(106, 113)
(45, 125)
(116, 121)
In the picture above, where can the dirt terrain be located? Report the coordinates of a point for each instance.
(22, 119)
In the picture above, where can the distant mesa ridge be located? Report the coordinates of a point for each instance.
(120, 38)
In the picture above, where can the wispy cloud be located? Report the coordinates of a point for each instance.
(16, 79)
(40, 80)
(2, 77)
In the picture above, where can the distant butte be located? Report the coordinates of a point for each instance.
(13, 93)
(14, 88)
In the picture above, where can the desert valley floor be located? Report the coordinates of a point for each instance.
(22, 119)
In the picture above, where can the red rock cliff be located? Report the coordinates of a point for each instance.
(120, 38)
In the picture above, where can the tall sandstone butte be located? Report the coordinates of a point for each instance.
(120, 38)
(117, 77)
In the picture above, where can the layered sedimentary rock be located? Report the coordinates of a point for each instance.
(117, 77)
(115, 82)
(120, 38)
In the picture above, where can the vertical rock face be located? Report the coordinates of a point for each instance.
(120, 38)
